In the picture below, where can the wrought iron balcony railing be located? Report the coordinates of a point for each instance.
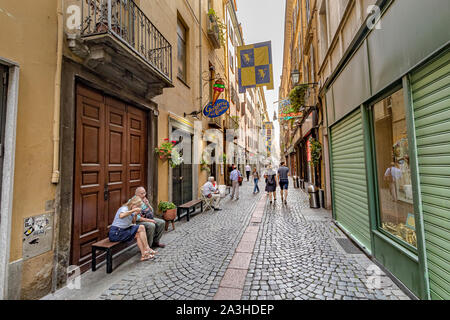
(126, 21)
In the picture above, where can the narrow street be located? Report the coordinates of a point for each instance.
(249, 250)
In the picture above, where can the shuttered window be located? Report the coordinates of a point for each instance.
(349, 178)
(431, 100)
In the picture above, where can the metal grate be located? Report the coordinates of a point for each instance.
(348, 246)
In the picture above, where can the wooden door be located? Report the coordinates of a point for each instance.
(110, 163)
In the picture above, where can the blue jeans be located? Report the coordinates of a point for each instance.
(256, 185)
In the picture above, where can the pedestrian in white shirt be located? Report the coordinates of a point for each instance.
(234, 177)
(210, 191)
(248, 169)
(391, 176)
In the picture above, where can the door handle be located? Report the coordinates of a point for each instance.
(106, 193)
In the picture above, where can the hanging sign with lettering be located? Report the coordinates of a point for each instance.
(216, 110)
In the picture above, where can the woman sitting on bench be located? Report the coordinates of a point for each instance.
(123, 228)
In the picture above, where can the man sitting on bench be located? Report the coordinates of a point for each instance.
(210, 191)
(153, 226)
(123, 228)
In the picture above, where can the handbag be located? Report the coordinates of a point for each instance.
(240, 179)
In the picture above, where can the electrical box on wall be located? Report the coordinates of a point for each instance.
(37, 235)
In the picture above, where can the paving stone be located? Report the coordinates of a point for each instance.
(291, 254)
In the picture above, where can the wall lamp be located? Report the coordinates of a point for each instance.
(193, 114)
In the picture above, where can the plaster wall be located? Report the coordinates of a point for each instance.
(28, 25)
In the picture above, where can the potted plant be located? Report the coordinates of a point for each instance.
(216, 29)
(169, 210)
(316, 152)
(297, 97)
(204, 166)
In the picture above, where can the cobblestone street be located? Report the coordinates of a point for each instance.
(295, 254)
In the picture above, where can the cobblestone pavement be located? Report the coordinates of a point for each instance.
(296, 256)
(196, 255)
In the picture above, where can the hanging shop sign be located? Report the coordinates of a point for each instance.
(217, 109)
(218, 88)
(288, 116)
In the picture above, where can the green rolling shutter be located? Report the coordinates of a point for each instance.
(431, 99)
(349, 178)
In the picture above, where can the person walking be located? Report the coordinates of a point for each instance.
(248, 169)
(283, 180)
(234, 177)
(271, 183)
(255, 175)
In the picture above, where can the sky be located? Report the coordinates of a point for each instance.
(263, 20)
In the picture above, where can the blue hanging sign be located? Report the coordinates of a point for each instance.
(216, 110)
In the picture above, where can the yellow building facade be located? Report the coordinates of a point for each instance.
(89, 90)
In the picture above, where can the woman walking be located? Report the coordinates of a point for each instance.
(256, 180)
(271, 184)
(124, 229)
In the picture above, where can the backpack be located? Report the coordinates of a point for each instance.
(271, 180)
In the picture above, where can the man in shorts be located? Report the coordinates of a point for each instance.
(283, 181)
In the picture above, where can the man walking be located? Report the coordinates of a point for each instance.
(248, 169)
(234, 177)
(153, 226)
(283, 181)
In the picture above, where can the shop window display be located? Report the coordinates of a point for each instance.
(393, 166)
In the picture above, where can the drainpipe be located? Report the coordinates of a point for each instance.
(200, 52)
(57, 92)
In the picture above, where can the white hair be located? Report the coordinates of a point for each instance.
(211, 179)
(139, 188)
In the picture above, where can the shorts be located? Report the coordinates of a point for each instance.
(284, 184)
(122, 235)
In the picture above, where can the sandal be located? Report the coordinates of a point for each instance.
(147, 256)
(151, 251)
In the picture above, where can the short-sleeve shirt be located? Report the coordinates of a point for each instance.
(234, 175)
(122, 222)
(248, 168)
(283, 173)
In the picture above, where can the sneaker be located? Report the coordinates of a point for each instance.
(270, 201)
(285, 202)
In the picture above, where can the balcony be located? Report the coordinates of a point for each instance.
(214, 31)
(119, 42)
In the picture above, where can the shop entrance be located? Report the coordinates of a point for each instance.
(110, 163)
(182, 174)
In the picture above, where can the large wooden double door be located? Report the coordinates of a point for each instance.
(110, 163)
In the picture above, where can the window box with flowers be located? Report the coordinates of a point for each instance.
(167, 152)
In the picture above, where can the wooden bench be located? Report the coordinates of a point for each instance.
(108, 246)
(187, 207)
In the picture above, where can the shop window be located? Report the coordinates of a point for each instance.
(396, 208)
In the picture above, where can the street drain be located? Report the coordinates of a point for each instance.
(255, 224)
(348, 246)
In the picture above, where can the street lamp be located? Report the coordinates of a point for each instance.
(295, 76)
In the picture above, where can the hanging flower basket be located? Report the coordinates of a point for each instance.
(167, 152)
